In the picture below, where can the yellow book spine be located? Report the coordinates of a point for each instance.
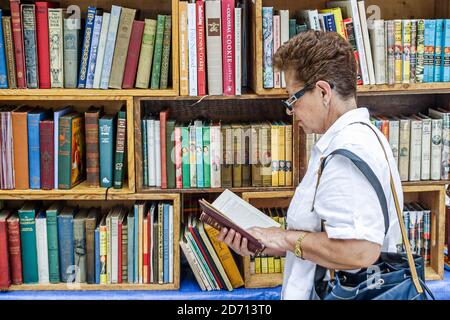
(338, 20)
(277, 262)
(406, 36)
(281, 156)
(225, 257)
(184, 65)
(103, 255)
(271, 264)
(288, 164)
(258, 265)
(398, 51)
(264, 264)
(265, 143)
(283, 259)
(275, 155)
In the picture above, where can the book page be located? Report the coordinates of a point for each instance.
(241, 212)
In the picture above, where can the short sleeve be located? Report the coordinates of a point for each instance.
(348, 203)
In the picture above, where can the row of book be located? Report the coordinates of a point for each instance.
(213, 47)
(57, 149)
(420, 143)
(212, 155)
(417, 219)
(387, 52)
(43, 47)
(78, 245)
(264, 263)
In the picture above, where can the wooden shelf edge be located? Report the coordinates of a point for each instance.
(7, 93)
(431, 274)
(264, 280)
(213, 190)
(426, 183)
(90, 287)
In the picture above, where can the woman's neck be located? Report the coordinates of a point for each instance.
(337, 109)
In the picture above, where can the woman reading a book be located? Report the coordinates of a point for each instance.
(335, 220)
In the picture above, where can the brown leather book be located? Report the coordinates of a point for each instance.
(20, 137)
(15, 253)
(91, 223)
(92, 146)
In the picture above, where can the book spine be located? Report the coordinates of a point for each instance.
(106, 147)
(403, 159)
(420, 51)
(165, 59)
(151, 139)
(276, 45)
(5, 277)
(64, 153)
(56, 141)
(288, 156)
(121, 47)
(97, 255)
(185, 158)
(267, 27)
(130, 253)
(157, 54)
(52, 239)
(146, 56)
(413, 51)
(28, 243)
(237, 157)
(145, 151)
(436, 147)
(163, 143)
(429, 47)
(137, 243)
(228, 61)
(43, 44)
(437, 60)
(103, 254)
(255, 157)
(166, 243)
(34, 150)
(15, 252)
(110, 45)
(29, 38)
(90, 249)
(78, 157)
(406, 45)
(42, 250)
(101, 50)
(445, 156)
(398, 50)
(66, 245)
(275, 144)
(446, 52)
(215, 156)
(192, 49)
(160, 249)
(390, 49)
(47, 155)
(207, 156)
(119, 252)
(119, 157)
(284, 36)
(16, 23)
(394, 126)
(170, 154)
(214, 47)
(281, 155)
(199, 156)
(92, 61)
(84, 64)
(192, 156)
(184, 47)
(201, 54)
(134, 50)
(71, 52)
(158, 153)
(227, 156)
(92, 148)
(426, 150)
(350, 36)
(238, 50)
(9, 51)
(178, 159)
(55, 30)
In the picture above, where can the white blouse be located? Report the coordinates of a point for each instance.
(345, 199)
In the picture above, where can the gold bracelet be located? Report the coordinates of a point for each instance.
(298, 245)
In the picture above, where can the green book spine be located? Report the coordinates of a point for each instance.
(185, 157)
(28, 244)
(146, 54)
(106, 132)
(156, 70)
(52, 240)
(170, 154)
(166, 53)
(206, 157)
(120, 149)
(292, 28)
(64, 153)
(144, 151)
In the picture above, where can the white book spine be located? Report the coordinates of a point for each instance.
(284, 36)
(56, 41)
(214, 47)
(436, 148)
(360, 42)
(101, 50)
(366, 41)
(403, 157)
(379, 51)
(93, 52)
(193, 264)
(415, 157)
(202, 271)
(426, 150)
(151, 141)
(42, 250)
(313, 16)
(238, 50)
(192, 157)
(394, 133)
(110, 46)
(276, 45)
(215, 157)
(158, 152)
(171, 244)
(192, 42)
(114, 249)
(108, 249)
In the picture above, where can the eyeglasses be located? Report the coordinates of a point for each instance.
(296, 96)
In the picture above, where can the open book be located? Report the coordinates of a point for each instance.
(232, 212)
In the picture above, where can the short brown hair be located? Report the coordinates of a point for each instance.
(318, 55)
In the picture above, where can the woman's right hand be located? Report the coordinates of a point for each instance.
(235, 241)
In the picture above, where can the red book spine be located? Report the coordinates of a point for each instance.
(15, 253)
(47, 154)
(119, 270)
(134, 50)
(43, 43)
(162, 132)
(18, 43)
(228, 47)
(5, 279)
(201, 53)
(150, 249)
(178, 159)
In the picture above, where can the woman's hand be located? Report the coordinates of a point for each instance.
(266, 236)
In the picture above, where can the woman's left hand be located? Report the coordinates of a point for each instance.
(272, 238)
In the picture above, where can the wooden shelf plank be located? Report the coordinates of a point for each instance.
(85, 286)
(215, 190)
(431, 274)
(87, 92)
(426, 183)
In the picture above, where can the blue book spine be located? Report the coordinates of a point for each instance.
(66, 254)
(166, 242)
(3, 71)
(429, 43)
(110, 45)
(130, 253)
(84, 63)
(29, 48)
(97, 254)
(93, 52)
(267, 30)
(330, 25)
(106, 138)
(33, 148)
(446, 52)
(199, 156)
(438, 50)
(136, 244)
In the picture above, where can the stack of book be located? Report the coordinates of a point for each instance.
(204, 154)
(44, 47)
(57, 149)
(387, 52)
(213, 47)
(65, 244)
(419, 143)
(264, 263)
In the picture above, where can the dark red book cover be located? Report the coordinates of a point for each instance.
(163, 115)
(5, 278)
(92, 117)
(47, 154)
(134, 49)
(119, 269)
(201, 52)
(16, 23)
(15, 253)
(228, 48)
(150, 248)
(43, 42)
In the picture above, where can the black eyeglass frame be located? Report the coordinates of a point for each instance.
(290, 102)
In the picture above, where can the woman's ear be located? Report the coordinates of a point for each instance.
(325, 90)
